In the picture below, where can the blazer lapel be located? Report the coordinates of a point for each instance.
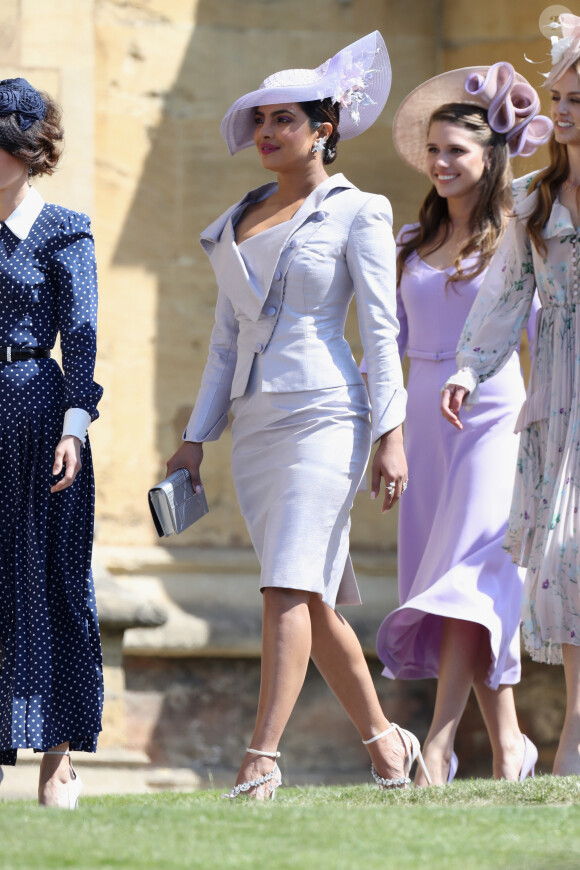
(218, 241)
(232, 275)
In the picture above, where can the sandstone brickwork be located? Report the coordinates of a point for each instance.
(144, 85)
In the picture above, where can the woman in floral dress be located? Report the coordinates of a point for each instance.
(541, 249)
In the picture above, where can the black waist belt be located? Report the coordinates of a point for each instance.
(11, 354)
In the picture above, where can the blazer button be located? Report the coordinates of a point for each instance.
(319, 216)
(259, 348)
(277, 275)
(293, 243)
(271, 310)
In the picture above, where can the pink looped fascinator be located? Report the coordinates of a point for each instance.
(565, 49)
(358, 78)
(511, 102)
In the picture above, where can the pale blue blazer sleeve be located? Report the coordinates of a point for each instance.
(370, 256)
(299, 329)
(210, 414)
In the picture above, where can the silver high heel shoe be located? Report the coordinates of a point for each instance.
(69, 799)
(413, 749)
(265, 785)
(453, 765)
(530, 758)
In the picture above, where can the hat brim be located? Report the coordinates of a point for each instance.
(411, 121)
(569, 58)
(237, 126)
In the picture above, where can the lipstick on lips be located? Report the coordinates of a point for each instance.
(265, 148)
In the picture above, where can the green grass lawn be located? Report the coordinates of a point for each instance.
(470, 824)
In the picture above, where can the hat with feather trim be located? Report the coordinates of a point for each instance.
(358, 78)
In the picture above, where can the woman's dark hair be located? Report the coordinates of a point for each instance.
(547, 183)
(324, 112)
(489, 216)
(39, 146)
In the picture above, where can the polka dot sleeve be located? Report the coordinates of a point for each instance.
(75, 275)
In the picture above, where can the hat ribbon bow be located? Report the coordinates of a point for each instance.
(511, 106)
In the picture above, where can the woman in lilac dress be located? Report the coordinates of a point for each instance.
(459, 592)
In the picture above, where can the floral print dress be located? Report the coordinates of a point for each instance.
(543, 532)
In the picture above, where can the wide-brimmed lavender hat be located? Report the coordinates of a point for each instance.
(511, 102)
(565, 48)
(358, 78)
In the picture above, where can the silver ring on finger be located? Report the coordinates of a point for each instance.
(391, 489)
(405, 485)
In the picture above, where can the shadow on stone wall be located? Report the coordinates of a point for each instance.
(187, 180)
(182, 710)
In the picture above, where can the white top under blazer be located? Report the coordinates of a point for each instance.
(338, 244)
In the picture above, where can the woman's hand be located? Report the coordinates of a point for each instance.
(190, 456)
(67, 454)
(389, 462)
(452, 398)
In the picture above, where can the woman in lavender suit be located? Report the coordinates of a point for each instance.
(288, 259)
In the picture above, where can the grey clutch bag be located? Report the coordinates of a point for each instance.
(174, 504)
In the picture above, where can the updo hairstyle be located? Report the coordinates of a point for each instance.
(322, 112)
(40, 145)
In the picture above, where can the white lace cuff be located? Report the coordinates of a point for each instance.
(466, 378)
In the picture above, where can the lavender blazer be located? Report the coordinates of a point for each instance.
(338, 244)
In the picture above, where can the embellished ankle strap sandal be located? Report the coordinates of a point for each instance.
(413, 750)
(72, 789)
(265, 785)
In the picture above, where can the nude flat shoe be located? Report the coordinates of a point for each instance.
(70, 791)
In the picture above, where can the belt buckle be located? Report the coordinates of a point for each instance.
(8, 354)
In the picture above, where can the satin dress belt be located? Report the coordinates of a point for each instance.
(434, 356)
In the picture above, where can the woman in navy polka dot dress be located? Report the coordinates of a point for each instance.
(51, 670)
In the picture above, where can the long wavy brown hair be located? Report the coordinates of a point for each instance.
(547, 183)
(490, 214)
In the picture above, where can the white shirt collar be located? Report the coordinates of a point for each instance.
(21, 220)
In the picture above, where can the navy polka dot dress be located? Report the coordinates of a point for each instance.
(51, 669)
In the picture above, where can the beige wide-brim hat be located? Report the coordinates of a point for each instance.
(358, 78)
(511, 102)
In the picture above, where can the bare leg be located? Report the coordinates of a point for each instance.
(461, 643)
(286, 641)
(337, 653)
(567, 761)
(499, 714)
(54, 773)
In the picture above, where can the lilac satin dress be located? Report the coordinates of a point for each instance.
(453, 516)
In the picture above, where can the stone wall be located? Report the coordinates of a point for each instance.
(164, 80)
(144, 85)
(165, 72)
